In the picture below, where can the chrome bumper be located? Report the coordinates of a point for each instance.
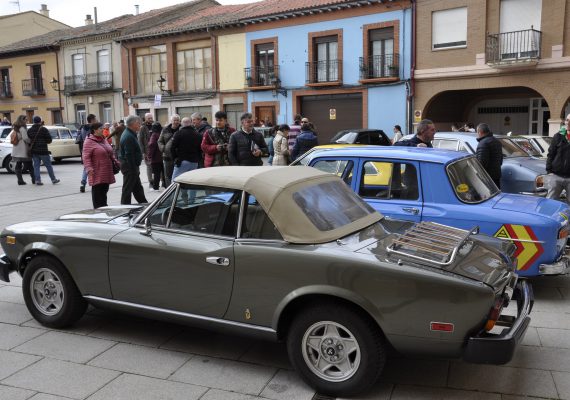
(559, 267)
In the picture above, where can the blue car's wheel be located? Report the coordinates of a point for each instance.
(50, 293)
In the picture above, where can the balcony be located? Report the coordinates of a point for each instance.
(323, 72)
(88, 82)
(261, 77)
(5, 90)
(33, 87)
(514, 49)
(381, 67)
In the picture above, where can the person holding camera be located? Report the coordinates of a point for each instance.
(215, 142)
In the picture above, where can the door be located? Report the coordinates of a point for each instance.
(391, 187)
(186, 262)
(78, 71)
(68, 145)
(38, 80)
(265, 116)
(264, 55)
(347, 110)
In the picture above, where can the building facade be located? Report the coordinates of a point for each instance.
(503, 62)
(344, 67)
(24, 25)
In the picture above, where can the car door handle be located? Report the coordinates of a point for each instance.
(411, 210)
(218, 261)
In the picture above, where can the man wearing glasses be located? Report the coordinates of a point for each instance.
(558, 163)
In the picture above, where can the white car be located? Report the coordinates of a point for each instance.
(62, 146)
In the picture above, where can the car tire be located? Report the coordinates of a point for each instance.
(50, 293)
(336, 349)
(9, 164)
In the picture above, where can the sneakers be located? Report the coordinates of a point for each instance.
(55, 181)
(82, 188)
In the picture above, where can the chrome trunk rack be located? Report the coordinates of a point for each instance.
(431, 242)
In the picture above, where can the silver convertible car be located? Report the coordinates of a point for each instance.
(291, 255)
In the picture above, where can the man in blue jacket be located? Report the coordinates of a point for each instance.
(131, 157)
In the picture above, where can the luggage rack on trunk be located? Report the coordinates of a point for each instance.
(431, 242)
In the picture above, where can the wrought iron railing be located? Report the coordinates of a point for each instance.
(88, 82)
(6, 89)
(323, 71)
(33, 87)
(380, 66)
(262, 76)
(513, 46)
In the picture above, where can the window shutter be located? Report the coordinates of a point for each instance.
(449, 28)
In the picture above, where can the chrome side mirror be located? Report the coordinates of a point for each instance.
(147, 228)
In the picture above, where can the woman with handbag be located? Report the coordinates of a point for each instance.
(100, 164)
(21, 150)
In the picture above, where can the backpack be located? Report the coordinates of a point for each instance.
(14, 138)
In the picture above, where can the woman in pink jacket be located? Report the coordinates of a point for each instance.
(98, 160)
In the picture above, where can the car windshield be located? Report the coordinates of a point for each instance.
(510, 149)
(527, 146)
(347, 137)
(470, 182)
(331, 205)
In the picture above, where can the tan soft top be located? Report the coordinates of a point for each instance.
(273, 187)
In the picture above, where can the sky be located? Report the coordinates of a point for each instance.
(73, 12)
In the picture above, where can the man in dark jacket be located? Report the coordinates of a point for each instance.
(558, 163)
(165, 146)
(305, 141)
(131, 158)
(39, 140)
(246, 145)
(425, 132)
(490, 153)
(143, 137)
(185, 150)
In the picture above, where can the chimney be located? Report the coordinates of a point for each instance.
(136, 9)
(88, 20)
(44, 10)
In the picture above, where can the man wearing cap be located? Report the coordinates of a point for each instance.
(39, 140)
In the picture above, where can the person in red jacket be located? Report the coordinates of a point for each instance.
(215, 142)
(98, 159)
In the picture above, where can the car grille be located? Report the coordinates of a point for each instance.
(431, 242)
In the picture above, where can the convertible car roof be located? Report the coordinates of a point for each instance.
(273, 187)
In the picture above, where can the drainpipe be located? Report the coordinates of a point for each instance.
(59, 91)
(125, 102)
(412, 85)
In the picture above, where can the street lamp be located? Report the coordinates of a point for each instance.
(276, 82)
(161, 83)
(55, 85)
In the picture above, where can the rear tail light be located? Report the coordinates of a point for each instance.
(495, 313)
(563, 232)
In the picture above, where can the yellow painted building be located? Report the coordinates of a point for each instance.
(231, 56)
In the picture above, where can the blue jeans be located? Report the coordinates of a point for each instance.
(185, 166)
(37, 159)
(84, 177)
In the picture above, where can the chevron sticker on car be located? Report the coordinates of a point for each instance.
(524, 239)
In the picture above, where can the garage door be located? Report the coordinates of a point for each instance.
(347, 107)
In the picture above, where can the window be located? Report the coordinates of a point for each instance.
(340, 168)
(80, 114)
(445, 144)
(199, 209)
(206, 112)
(470, 181)
(449, 28)
(78, 67)
(106, 112)
(256, 223)
(519, 15)
(194, 69)
(5, 87)
(56, 117)
(103, 61)
(151, 65)
(264, 72)
(382, 60)
(65, 134)
(326, 58)
(331, 205)
(388, 181)
(234, 112)
(35, 85)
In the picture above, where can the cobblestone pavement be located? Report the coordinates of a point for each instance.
(113, 356)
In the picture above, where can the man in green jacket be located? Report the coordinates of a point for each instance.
(131, 157)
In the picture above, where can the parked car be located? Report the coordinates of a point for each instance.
(293, 257)
(5, 134)
(452, 188)
(62, 146)
(527, 145)
(520, 172)
(362, 136)
(72, 126)
(541, 143)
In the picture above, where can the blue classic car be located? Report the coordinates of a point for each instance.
(521, 173)
(452, 188)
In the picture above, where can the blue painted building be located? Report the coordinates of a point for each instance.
(343, 68)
